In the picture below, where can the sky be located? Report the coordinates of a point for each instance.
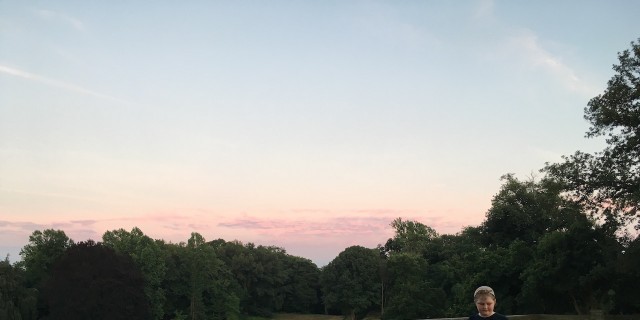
(308, 125)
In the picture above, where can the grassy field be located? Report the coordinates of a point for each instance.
(293, 316)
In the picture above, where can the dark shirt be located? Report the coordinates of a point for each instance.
(495, 316)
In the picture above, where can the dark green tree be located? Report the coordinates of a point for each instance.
(524, 210)
(573, 269)
(91, 281)
(210, 289)
(411, 295)
(175, 283)
(351, 282)
(410, 236)
(42, 251)
(38, 256)
(453, 267)
(16, 301)
(270, 280)
(626, 297)
(608, 182)
(267, 293)
(147, 255)
(240, 261)
(301, 289)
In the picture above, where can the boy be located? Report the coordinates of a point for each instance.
(485, 300)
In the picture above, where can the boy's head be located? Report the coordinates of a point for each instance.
(485, 300)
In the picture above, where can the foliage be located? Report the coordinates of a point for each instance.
(608, 182)
(92, 281)
(38, 257)
(42, 251)
(301, 289)
(197, 282)
(625, 297)
(409, 236)
(412, 295)
(555, 245)
(575, 267)
(16, 301)
(146, 255)
(350, 282)
(268, 279)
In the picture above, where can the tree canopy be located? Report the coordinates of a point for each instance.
(608, 182)
(92, 281)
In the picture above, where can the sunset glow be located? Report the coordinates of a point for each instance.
(305, 125)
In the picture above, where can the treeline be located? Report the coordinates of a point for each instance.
(562, 244)
(539, 251)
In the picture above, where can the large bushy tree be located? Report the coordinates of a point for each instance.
(38, 257)
(301, 290)
(42, 251)
(572, 268)
(16, 301)
(92, 281)
(147, 255)
(411, 291)
(351, 282)
(608, 182)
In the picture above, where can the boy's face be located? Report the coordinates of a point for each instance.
(485, 304)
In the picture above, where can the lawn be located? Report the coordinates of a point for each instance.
(294, 316)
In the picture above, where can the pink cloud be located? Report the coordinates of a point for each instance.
(316, 234)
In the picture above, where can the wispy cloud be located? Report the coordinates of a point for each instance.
(528, 45)
(354, 224)
(20, 225)
(58, 84)
(63, 18)
(312, 236)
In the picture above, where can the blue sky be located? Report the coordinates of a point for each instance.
(305, 124)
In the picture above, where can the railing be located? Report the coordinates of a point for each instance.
(594, 315)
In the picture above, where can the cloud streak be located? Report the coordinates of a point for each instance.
(528, 45)
(337, 226)
(311, 236)
(58, 84)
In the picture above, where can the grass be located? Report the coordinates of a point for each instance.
(297, 316)
(294, 316)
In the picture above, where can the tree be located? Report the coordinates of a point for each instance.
(627, 297)
(301, 286)
(350, 282)
(92, 281)
(411, 294)
(572, 268)
(38, 257)
(241, 263)
(147, 256)
(16, 301)
(42, 251)
(176, 282)
(410, 236)
(608, 182)
(516, 233)
(524, 210)
(270, 280)
(208, 280)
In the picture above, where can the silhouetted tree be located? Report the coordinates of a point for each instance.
(91, 281)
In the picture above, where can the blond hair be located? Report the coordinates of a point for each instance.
(484, 291)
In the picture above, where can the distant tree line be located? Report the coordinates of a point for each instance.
(563, 244)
